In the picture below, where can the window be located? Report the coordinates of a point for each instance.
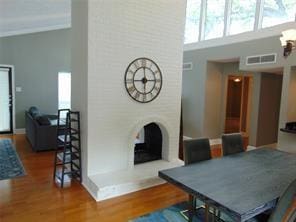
(242, 17)
(278, 11)
(192, 21)
(64, 90)
(208, 19)
(214, 25)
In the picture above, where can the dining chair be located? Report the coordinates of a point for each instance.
(232, 143)
(194, 151)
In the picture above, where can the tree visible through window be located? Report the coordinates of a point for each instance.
(64, 90)
(278, 11)
(192, 21)
(214, 19)
(218, 22)
(242, 17)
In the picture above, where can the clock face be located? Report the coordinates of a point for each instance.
(143, 80)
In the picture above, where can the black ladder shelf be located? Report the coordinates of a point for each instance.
(67, 164)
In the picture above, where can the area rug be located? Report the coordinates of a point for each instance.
(177, 213)
(10, 163)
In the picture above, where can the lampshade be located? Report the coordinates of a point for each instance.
(288, 36)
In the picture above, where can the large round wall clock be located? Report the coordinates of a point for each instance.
(143, 80)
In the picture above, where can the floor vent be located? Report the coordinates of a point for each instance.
(187, 66)
(261, 59)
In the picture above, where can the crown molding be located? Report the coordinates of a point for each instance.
(35, 30)
(33, 24)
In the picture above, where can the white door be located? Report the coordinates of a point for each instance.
(5, 100)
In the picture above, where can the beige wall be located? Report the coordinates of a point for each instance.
(269, 109)
(291, 112)
(214, 99)
(287, 141)
(195, 85)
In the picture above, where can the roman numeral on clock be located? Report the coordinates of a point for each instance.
(137, 95)
(144, 98)
(131, 89)
(143, 63)
(136, 64)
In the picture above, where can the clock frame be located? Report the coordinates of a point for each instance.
(143, 80)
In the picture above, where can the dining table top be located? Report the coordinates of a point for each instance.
(241, 185)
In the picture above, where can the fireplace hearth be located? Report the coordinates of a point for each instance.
(151, 146)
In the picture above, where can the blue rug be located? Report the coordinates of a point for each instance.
(10, 163)
(176, 213)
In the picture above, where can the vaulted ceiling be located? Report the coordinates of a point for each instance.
(27, 16)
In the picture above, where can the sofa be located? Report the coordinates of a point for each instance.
(41, 130)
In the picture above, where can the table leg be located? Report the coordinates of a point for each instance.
(219, 214)
(192, 206)
(206, 213)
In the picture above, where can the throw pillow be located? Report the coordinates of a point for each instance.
(43, 120)
(34, 111)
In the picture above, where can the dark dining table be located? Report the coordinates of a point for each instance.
(242, 185)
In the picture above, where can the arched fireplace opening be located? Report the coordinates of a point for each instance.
(148, 144)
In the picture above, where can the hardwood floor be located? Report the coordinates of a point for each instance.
(35, 197)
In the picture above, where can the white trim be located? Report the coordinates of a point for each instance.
(187, 138)
(242, 37)
(94, 195)
(216, 141)
(13, 94)
(202, 20)
(249, 148)
(227, 14)
(258, 14)
(19, 131)
(34, 30)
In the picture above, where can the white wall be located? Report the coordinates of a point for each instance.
(118, 32)
(79, 55)
(213, 100)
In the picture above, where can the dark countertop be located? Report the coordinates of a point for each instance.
(288, 130)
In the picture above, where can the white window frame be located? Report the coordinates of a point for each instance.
(227, 15)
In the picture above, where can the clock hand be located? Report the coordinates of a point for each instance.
(144, 72)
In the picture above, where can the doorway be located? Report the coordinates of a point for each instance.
(6, 103)
(237, 104)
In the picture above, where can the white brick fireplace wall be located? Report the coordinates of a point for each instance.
(112, 33)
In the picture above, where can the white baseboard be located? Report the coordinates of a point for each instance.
(20, 131)
(187, 138)
(249, 148)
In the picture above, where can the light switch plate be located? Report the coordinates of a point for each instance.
(18, 89)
